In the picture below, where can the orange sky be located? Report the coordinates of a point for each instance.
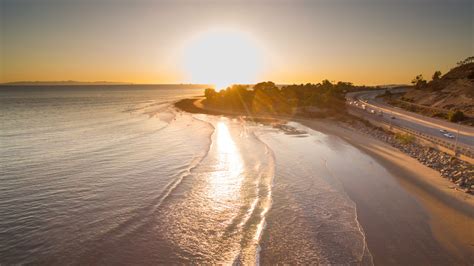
(365, 42)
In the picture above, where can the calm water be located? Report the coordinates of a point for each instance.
(116, 175)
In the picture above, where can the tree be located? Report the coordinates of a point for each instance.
(326, 83)
(419, 82)
(210, 94)
(456, 116)
(436, 75)
(265, 86)
(266, 97)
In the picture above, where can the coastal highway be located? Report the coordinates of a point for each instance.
(419, 123)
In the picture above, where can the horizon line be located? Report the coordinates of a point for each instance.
(118, 83)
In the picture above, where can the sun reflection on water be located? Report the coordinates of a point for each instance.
(226, 178)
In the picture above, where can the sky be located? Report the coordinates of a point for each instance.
(287, 41)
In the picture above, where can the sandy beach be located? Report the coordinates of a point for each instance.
(436, 227)
(450, 212)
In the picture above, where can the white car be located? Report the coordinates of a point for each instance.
(449, 135)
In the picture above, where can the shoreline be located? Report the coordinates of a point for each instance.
(450, 212)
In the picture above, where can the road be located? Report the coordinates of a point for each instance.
(417, 122)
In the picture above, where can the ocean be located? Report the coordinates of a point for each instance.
(117, 175)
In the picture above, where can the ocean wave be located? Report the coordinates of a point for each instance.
(314, 221)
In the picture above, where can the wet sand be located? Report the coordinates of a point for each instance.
(435, 229)
(392, 238)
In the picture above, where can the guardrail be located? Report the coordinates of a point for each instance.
(460, 148)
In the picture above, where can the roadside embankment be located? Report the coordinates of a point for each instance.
(461, 173)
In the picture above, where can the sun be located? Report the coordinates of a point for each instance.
(222, 58)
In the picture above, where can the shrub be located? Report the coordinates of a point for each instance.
(405, 138)
(456, 116)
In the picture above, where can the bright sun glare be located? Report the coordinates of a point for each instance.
(222, 58)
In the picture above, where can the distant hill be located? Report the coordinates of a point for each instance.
(67, 82)
(453, 91)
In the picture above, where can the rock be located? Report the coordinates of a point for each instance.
(448, 166)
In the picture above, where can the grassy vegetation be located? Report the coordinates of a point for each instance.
(404, 138)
